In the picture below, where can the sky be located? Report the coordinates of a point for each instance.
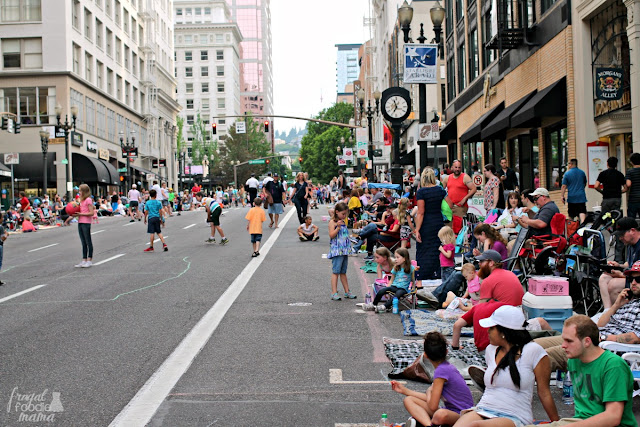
(304, 53)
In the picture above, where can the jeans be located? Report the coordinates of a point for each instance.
(85, 238)
(633, 208)
(1, 254)
(452, 284)
(398, 292)
(369, 234)
(446, 272)
(301, 208)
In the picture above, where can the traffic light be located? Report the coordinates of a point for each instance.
(17, 128)
(266, 125)
(300, 159)
(214, 128)
(267, 161)
(121, 178)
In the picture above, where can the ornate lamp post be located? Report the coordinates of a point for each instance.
(370, 112)
(183, 153)
(44, 143)
(67, 127)
(128, 148)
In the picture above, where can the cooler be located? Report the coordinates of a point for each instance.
(554, 309)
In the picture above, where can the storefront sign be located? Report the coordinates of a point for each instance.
(59, 132)
(56, 141)
(12, 159)
(420, 63)
(76, 139)
(92, 147)
(597, 155)
(605, 107)
(103, 154)
(609, 83)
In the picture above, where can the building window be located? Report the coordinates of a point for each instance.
(474, 62)
(207, 11)
(204, 55)
(88, 67)
(220, 55)
(220, 87)
(189, 104)
(21, 10)
(107, 7)
(99, 75)
(77, 99)
(219, 38)
(220, 71)
(189, 120)
(557, 154)
(451, 83)
(488, 31)
(110, 81)
(88, 19)
(75, 14)
(99, 31)
(125, 20)
(189, 88)
(22, 53)
(91, 116)
(205, 103)
(111, 125)
(204, 71)
(205, 87)
(221, 103)
(459, 10)
(118, 51)
(546, 5)
(76, 58)
(462, 77)
(100, 115)
(188, 39)
(188, 71)
(127, 93)
(449, 18)
(109, 40)
(119, 88)
(117, 13)
(188, 55)
(126, 57)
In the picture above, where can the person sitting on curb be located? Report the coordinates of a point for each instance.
(308, 231)
(611, 284)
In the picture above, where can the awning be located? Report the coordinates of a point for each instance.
(5, 171)
(408, 158)
(549, 102)
(141, 170)
(473, 134)
(502, 121)
(113, 172)
(30, 167)
(449, 131)
(89, 170)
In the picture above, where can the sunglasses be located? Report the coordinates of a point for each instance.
(635, 279)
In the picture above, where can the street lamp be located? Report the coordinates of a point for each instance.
(405, 15)
(370, 112)
(44, 143)
(128, 148)
(235, 164)
(66, 126)
(183, 153)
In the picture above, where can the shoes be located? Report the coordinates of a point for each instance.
(381, 308)
(477, 376)
(368, 258)
(354, 240)
(368, 307)
(133, 220)
(316, 238)
(349, 295)
(87, 264)
(411, 422)
(149, 249)
(2, 282)
(336, 297)
(210, 240)
(225, 241)
(80, 265)
(255, 254)
(302, 239)
(164, 247)
(429, 296)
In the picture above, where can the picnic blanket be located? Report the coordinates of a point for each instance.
(420, 321)
(403, 354)
(370, 267)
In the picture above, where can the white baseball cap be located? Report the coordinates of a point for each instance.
(507, 316)
(134, 186)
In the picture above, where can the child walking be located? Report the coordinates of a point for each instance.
(340, 246)
(84, 225)
(256, 217)
(402, 274)
(447, 250)
(448, 386)
(154, 215)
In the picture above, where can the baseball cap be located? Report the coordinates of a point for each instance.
(275, 175)
(392, 206)
(507, 316)
(540, 191)
(134, 186)
(490, 255)
(625, 224)
(635, 268)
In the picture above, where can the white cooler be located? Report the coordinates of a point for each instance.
(554, 309)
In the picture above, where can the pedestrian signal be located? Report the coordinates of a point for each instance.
(214, 128)
(266, 125)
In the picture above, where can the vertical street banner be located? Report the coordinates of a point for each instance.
(347, 154)
(420, 63)
(342, 161)
(362, 135)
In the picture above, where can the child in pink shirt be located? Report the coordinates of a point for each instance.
(447, 250)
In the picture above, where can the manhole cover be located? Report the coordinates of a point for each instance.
(299, 304)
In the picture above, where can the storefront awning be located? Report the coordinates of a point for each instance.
(549, 102)
(473, 134)
(30, 167)
(502, 121)
(141, 170)
(90, 170)
(450, 131)
(113, 173)
(5, 171)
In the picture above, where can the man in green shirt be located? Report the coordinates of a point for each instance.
(602, 381)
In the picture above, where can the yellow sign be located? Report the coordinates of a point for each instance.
(56, 141)
(103, 154)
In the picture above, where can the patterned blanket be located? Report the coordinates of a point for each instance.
(419, 322)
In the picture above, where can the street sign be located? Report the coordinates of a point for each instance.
(12, 159)
(377, 153)
(56, 141)
(65, 161)
(257, 162)
(122, 170)
(477, 180)
(348, 170)
(347, 153)
(428, 132)
(241, 127)
(341, 161)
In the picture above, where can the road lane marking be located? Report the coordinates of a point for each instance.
(96, 232)
(148, 399)
(21, 293)
(335, 377)
(108, 259)
(44, 247)
(188, 226)
(157, 240)
(128, 224)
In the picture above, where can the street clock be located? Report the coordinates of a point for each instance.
(396, 104)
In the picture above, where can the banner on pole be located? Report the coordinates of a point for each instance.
(362, 135)
(342, 161)
(347, 154)
(429, 132)
(420, 63)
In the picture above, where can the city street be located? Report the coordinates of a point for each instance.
(96, 336)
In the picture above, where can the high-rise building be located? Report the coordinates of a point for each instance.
(110, 59)
(347, 67)
(207, 57)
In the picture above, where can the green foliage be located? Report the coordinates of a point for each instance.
(180, 142)
(319, 145)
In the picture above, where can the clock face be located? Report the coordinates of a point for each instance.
(396, 107)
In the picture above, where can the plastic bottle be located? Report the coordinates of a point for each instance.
(395, 305)
(559, 378)
(384, 421)
(367, 298)
(567, 390)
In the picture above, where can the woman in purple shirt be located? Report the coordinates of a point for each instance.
(490, 238)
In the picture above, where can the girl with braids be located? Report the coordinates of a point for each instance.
(490, 238)
(405, 221)
(514, 365)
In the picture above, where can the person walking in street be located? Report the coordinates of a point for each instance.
(114, 201)
(276, 190)
(460, 189)
(134, 202)
(573, 182)
(154, 215)
(300, 195)
(339, 248)
(84, 225)
(611, 183)
(214, 210)
(633, 186)
(3, 237)
(428, 222)
(251, 186)
(508, 179)
(256, 217)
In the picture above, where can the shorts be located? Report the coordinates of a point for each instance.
(275, 208)
(133, 204)
(339, 264)
(165, 203)
(214, 216)
(308, 236)
(490, 413)
(405, 232)
(153, 225)
(255, 238)
(575, 209)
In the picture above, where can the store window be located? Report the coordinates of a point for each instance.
(474, 66)
(557, 155)
(462, 76)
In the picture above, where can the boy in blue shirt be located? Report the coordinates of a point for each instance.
(153, 212)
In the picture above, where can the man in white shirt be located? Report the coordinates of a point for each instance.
(164, 193)
(134, 201)
(253, 185)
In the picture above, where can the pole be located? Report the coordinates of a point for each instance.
(370, 121)
(422, 99)
(128, 171)
(13, 191)
(235, 175)
(44, 181)
(66, 154)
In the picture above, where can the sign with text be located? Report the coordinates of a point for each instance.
(347, 154)
(133, 153)
(241, 127)
(429, 132)
(361, 150)
(159, 163)
(609, 83)
(362, 135)
(12, 159)
(103, 154)
(76, 139)
(257, 162)
(420, 63)
(92, 147)
(597, 155)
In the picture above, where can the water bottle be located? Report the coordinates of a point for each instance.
(559, 377)
(567, 390)
(395, 305)
(384, 421)
(367, 298)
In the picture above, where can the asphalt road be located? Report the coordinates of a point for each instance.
(197, 336)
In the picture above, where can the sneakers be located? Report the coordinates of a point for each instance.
(354, 240)
(336, 297)
(429, 296)
(476, 373)
(164, 247)
(80, 265)
(149, 249)
(302, 239)
(133, 220)
(411, 422)
(2, 282)
(255, 254)
(210, 240)
(87, 264)
(349, 295)
(381, 308)
(225, 241)
(368, 258)
(316, 238)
